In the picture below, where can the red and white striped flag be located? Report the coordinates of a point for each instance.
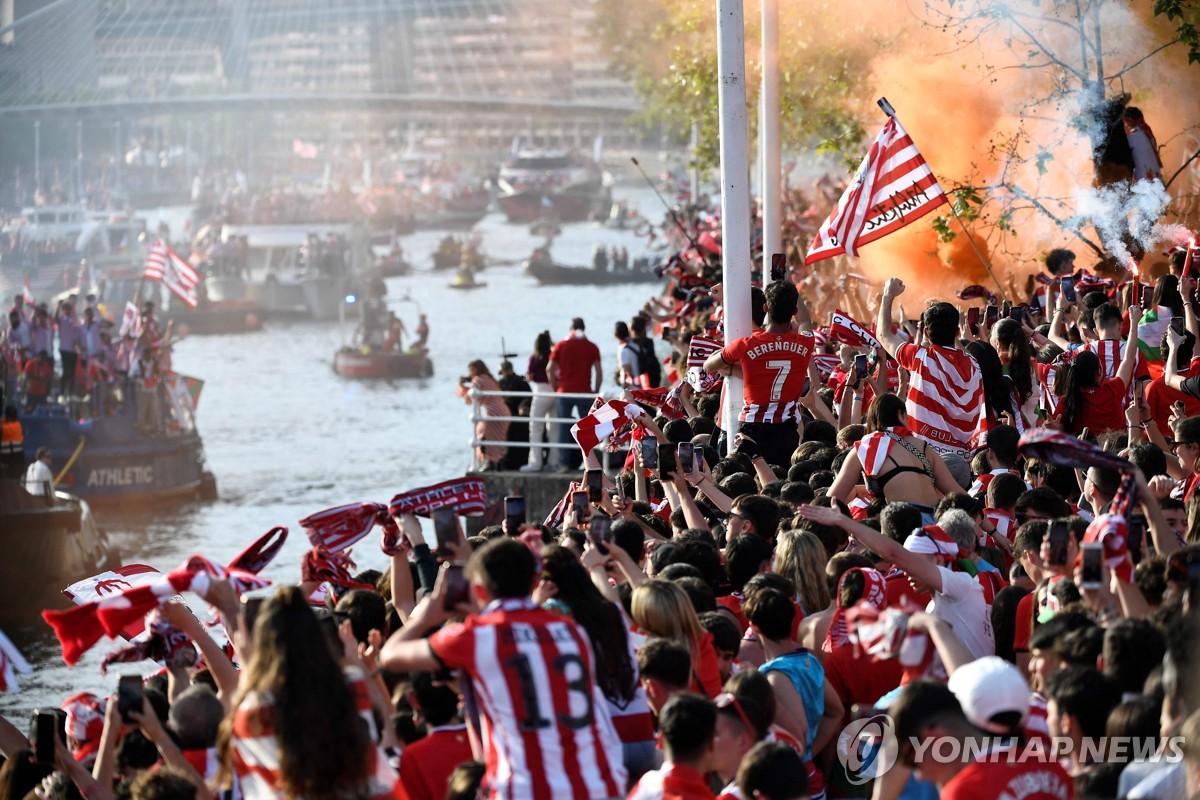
(825, 365)
(847, 330)
(11, 662)
(27, 293)
(165, 265)
(699, 350)
(559, 513)
(338, 529)
(131, 321)
(604, 421)
(893, 187)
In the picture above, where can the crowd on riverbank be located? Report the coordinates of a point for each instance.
(961, 546)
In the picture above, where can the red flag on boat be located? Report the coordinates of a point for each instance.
(892, 188)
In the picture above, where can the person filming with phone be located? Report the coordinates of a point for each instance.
(544, 727)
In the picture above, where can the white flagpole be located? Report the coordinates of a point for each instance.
(735, 190)
(769, 138)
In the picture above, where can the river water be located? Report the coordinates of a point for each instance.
(286, 437)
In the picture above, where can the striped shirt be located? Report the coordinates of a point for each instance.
(256, 747)
(207, 762)
(546, 730)
(945, 397)
(774, 368)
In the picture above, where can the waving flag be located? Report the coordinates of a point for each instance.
(559, 513)
(1151, 328)
(165, 265)
(847, 330)
(1065, 450)
(467, 496)
(699, 350)
(893, 187)
(131, 321)
(338, 529)
(604, 421)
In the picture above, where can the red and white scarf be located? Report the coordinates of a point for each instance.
(699, 350)
(161, 642)
(559, 513)
(340, 528)
(931, 540)
(847, 330)
(609, 418)
(874, 594)
(11, 662)
(664, 400)
(467, 496)
(873, 449)
(319, 565)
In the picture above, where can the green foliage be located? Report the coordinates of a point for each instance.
(1184, 14)
(669, 50)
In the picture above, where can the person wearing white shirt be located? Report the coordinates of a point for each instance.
(39, 479)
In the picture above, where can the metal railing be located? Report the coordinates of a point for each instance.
(477, 415)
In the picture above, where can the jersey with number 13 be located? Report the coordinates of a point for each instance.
(774, 368)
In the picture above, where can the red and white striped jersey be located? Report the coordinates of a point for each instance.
(256, 747)
(1004, 522)
(208, 763)
(945, 397)
(1110, 352)
(774, 368)
(546, 729)
(980, 486)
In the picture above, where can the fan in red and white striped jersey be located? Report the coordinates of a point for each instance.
(774, 368)
(1110, 352)
(546, 729)
(945, 397)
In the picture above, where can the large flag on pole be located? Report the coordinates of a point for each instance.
(892, 188)
(167, 266)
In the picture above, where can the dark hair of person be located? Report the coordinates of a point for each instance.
(505, 567)
(366, 612)
(782, 301)
(1045, 501)
(322, 742)
(437, 702)
(744, 557)
(701, 554)
(818, 430)
(621, 330)
(687, 722)
(758, 311)
(1183, 353)
(1058, 258)
(1015, 344)
(1084, 373)
(773, 771)
(665, 660)
(465, 780)
(1004, 620)
(542, 344)
(600, 618)
(1004, 490)
(772, 612)
(726, 635)
(941, 324)
(762, 511)
(162, 784)
(1166, 293)
(997, 390)
(1136, 718)
(699, 593)
(630, 537)
(1132, 649)
(1106, 314)
(1086, 695)
(884, 412)
(898, 520)
(920, 703)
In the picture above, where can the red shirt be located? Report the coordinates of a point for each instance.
(1024, 625)
(672, 782)
(533, 677)
(1103, 408)
(985, 780)
(1160, 398)
(899, 588)
(774, 368)
(859, 679)
(38, 375)
(426, 764)
(575, 357)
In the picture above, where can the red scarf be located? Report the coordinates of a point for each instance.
(467, 496)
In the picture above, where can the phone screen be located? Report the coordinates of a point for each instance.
(46, 725)
(666, 459)
(1178, 325)
(972, 317)
(860, 366)
(600, 532)
(1136, 533)
(1058, 543)
(686, 453)
(579, 502)
(251, 604)
(650, 452)
(1147, 296)
(129, 695)
(514, 512)
(457, 590)
(1068, 288)
(1017, 313)
(666, 332)
(1139, 390)
(778, 266)
(1093, 555)
(445, 529)
(993, 313)
(594, 481)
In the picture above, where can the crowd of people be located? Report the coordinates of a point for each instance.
(951, 555)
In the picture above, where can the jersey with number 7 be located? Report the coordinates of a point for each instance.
(774, 368)
(546, 729)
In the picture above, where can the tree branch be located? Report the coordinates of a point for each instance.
(1149, 55)
(1019, 192)
(1190, 159)
(1054, 59)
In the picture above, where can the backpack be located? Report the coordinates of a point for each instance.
(647, 363)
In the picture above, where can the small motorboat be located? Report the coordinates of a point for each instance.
(367, 362)
(549, 273)
(465, 279)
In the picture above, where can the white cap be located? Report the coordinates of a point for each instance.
(989, 686)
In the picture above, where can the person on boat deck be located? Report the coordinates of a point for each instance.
(600, 259)
(39, 375)
(423, 334)
(395, 335)
(39, 479)
(12, 444)
(145, 376)
(493, 430)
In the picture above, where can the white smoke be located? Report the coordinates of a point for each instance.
(1124, 214)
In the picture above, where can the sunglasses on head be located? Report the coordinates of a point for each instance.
(726, 700)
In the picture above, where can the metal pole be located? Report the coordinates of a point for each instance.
(735, 190)
(37, 158)
(79, 160)
(187, 155)
(769, 140)
(118, 156)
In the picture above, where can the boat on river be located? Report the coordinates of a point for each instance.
(465, 279)
(552, 185)
(50, 540)
(548, 273)
(360, 362)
